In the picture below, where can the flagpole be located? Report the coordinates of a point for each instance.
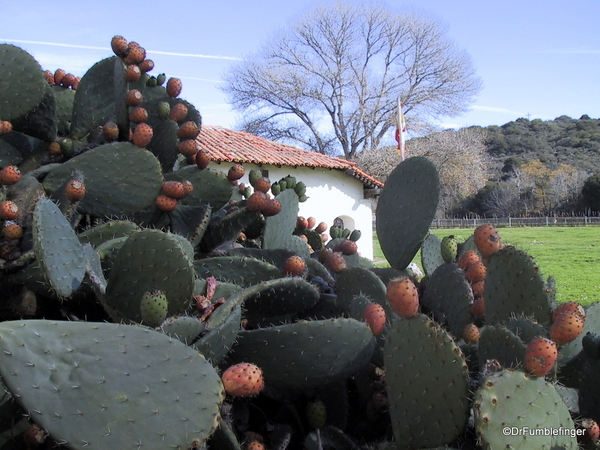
(401, 131)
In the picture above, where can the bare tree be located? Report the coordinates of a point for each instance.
(459, 155)
(331, 81)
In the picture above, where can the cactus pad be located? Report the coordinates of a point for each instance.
(99, 385)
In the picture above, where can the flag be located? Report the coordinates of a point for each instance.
(401, 132)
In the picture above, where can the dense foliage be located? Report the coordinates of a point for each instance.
(560, 141)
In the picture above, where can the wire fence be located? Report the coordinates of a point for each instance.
(499, 222)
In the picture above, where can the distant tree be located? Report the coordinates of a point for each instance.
(330, 81)
(459, 155)
(497, 200)
(590, 192)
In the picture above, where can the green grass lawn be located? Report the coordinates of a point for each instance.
(570, 254)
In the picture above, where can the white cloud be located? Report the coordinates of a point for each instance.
(56, 44)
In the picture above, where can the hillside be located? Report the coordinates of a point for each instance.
(560, 141)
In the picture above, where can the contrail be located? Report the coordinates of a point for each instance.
(56, 44)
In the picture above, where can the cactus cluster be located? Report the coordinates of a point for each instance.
(149, 301)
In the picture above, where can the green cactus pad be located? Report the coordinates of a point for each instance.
(223, 327)
(278, 297)
(406, 208)
(501, 344)
(526, 329)
(421, 360)
(185, 328)
(64, 108)
(22, 82)
(514, 286)
(280, 227)
(105, 232)
(120, 179)
(94, 102)
(431, 255)
(239, 270)
(58, 251)
(40, 121)
(306, 354)
(227, 229)
(149, 259)
(515, 411)
(210, 186)
(357, 281)
(448, 295)
(100, 385)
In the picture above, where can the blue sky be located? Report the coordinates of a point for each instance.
(536, 59)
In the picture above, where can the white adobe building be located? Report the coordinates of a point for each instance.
(336, 188)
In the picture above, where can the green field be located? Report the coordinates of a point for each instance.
(570, 254)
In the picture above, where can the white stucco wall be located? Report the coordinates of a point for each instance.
(331, 194)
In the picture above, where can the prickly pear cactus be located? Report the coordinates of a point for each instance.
(406, 208)
(112, 386)
(513, 410)
(418, 356)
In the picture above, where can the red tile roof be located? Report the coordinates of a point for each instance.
(225, 145)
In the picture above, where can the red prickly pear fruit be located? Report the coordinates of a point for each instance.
(236, 172)
(133, 73)
(55, 150)
(154, 307)
(34, 437)
(471, 333)
(142, 135)
(138, 115)
(166, 203)
(188, 147)
(569, 306)
(311, 222)
(335, 262)
(202, 159)
(188, 187)
(9, 210)
(146, 65)
(347, 247)
(316, 414)
(68, 80)
(110, 131)
(476, 272)
(253, 445)
(12, 230)
(5, 127)
(374, 316)
(243, 380)
(301, 223)
(59, 75)
(257, 201)
(487, 240)
(591, 432)
(478, 308)
(135, 54)
(566, 327)
(294, 266)
(263, 184)
(119, 46)
(178, 112)
(173, 189)
(540, 356)
(174, 87)
(49, 77)
(272, 207)
(75, 190)
(188, 130)
(403, 297)
(478, 288)
(75, 84)
(10, 175)
(134, 98)
(467, 258)
(321, 228)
